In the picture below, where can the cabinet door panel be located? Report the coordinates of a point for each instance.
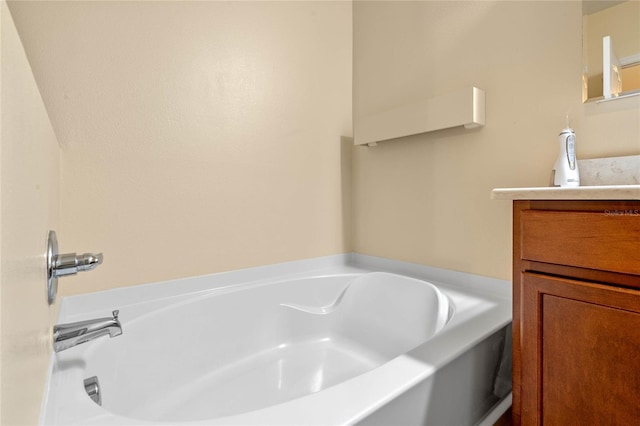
(581, 352)
(590, 371)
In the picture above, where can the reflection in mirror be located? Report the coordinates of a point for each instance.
(620, 21)
(611, 70)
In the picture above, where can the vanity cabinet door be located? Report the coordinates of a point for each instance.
(580, 352)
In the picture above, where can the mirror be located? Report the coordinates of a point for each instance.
(610, 49)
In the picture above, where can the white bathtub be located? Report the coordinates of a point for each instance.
(330, 341)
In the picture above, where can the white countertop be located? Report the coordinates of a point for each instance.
(607, 192)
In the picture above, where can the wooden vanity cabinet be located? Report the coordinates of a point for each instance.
(576, 312)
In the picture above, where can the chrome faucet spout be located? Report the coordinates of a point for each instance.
(66, 336)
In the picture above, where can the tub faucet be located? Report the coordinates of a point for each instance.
(66, 336)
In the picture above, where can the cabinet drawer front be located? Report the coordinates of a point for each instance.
(609, 241)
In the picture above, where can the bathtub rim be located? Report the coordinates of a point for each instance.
(495, 290)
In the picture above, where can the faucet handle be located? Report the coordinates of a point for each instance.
(115, 314)
(60, 265)
(89, 261)
(71, 263)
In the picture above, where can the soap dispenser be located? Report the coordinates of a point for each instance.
(565, 171)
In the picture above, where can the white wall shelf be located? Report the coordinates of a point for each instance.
(465, 107)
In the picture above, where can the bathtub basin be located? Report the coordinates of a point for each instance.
(316, 348)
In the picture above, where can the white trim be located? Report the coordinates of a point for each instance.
(464, 107)
(497, 412)
(630, 60)
(624, 95)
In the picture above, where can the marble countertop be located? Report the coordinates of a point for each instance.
(604, 192)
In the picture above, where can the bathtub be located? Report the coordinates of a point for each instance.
(332, 341)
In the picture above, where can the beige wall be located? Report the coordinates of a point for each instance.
(205, 136)
(425, 198)
(197, 137)
(29, 196)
